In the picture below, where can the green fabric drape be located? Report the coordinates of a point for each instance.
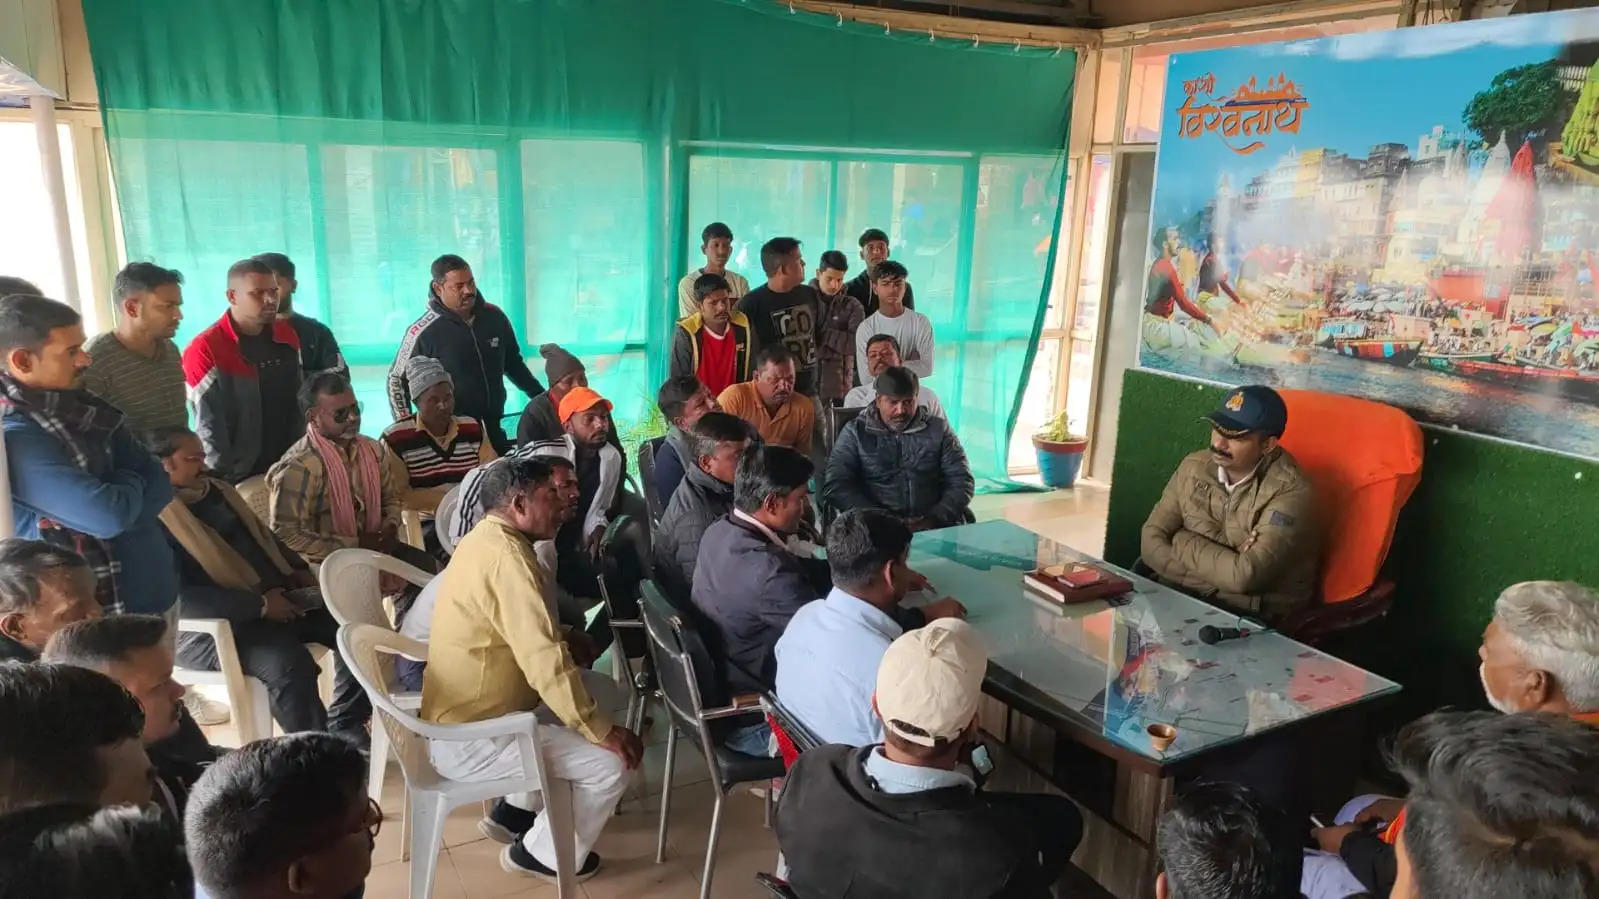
(572, 150)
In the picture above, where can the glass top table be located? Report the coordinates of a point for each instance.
(1112, 668)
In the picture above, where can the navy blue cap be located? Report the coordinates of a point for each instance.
(1249, 410)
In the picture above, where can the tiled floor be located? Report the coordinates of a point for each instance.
(469, 868)
(469, 864)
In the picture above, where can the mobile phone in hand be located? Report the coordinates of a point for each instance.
(981, 763)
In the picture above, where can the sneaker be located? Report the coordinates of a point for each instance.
(505, 823)
(206, 712)
(515, 859)
(759, 789)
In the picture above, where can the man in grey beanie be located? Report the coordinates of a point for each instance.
(433, 449)
(422, 373)
(563, 372)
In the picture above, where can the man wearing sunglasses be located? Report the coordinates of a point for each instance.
(334, 488)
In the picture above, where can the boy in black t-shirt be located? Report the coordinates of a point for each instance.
(874, 249)
(784, 310)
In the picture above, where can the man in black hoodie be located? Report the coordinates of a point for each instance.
(474, 341)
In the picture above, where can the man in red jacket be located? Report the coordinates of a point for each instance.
(244, 376)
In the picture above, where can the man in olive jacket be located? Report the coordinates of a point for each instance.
(1236, 524)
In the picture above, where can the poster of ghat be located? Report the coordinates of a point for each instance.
(1410, 216)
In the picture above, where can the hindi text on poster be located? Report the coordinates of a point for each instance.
(1249, 111)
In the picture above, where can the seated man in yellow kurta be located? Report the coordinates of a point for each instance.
(497, 647)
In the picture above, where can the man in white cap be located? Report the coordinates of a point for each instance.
(905, 818)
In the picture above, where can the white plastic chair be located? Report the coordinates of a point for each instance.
(444, 519)
(430, 795)
(252, 710)
(350, 584)
(350, 589)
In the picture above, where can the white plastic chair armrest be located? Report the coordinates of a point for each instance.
(411, 520)
(208, 626)
(233, 677)
(408, 572)
(503, 726)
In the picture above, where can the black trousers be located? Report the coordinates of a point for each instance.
(274, 653)
(577, 574)
(625, 568)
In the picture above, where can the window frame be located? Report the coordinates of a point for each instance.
(102, 246)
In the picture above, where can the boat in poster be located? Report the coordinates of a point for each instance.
(1392, 352)
(1560, 382)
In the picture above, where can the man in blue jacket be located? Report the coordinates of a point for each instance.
(474, 341)
(747, 581)
(78, 478)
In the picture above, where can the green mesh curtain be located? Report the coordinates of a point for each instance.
(571, 150)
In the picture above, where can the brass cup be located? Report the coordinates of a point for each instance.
(1161, 736)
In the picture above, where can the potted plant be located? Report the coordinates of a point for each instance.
(1060, 451)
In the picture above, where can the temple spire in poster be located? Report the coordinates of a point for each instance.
(1410, 216)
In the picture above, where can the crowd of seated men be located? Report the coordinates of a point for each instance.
(128, 521)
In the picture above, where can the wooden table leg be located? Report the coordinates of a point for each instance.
(1140, 799)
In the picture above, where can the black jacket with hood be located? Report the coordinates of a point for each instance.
(479, 355)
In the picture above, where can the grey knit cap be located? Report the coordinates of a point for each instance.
(422, 372)
(558, 363)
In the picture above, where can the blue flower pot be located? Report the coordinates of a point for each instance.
(1060, 461)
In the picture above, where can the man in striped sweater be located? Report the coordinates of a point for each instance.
(136, 367)
(434, 449)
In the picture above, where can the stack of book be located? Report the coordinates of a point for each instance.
(1074, 582)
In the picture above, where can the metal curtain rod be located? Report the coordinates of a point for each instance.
(954, 29)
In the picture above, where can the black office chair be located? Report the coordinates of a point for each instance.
(646, 473)
(639, 683)
(775, 887)
(837, 417)
(685, 672)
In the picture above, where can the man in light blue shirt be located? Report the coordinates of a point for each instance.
(827, 657)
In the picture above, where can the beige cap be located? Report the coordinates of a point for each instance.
(930, 681)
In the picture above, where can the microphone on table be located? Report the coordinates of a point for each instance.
(1210, 635)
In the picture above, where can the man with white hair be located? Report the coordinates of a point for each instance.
(1539, 653)
(1541, 650)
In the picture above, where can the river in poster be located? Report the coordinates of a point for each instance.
(1410, 216)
